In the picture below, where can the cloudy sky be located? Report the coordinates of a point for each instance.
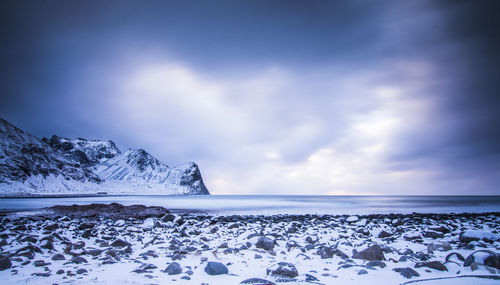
(269, 97)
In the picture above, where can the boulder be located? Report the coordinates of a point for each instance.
(120, 243)
(78, 260)
(5, 263)
(282, 269)
(407, 272)
(215, 268)
(265, 243)
(440, 246)
(58, 256)
(173, 268)
(432, 264)
(484, 257)
(374, 252)
(384, 234)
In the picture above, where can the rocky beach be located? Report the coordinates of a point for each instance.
(116, 244)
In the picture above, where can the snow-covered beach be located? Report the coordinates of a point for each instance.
(115, 244)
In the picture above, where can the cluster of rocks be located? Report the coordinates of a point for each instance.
(69, 242)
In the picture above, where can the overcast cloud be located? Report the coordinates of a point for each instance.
(269, 97)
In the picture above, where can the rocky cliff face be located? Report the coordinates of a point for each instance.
(29, 165)
(23, 156)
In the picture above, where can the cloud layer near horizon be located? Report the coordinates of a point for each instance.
(321, 98)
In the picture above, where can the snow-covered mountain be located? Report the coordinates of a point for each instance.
(29, 165)
(137, 167)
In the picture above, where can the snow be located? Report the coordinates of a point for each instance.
(242, 264)
(352, 219)
(480, 234)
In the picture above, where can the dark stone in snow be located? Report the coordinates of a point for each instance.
(86, 226)
(329, 252)
(311, 278)
(384, 234)
(485, 257)
(257, 281)
(47, 245)
(407, 272)
(81, 271)
(5, 263)
(94, 252)
(40, 263)
(78, 245)
(31, 239)
(51, 227)
(78, 260)
(173, 268)
(60, 271)
(432, 264)
(450, 256)
(376, 263)
(41, 274)
(177, 256)
(27, 254)
(233, 226)
(168, 218)
(362, 272)
(265, 243)
(422, 256)
(215, 268)
(180, 221)
(87, 234)
(310, 240)
(433, 234)
(374, 252)
(441, 229)
(283, 269)
(120, 243)
(149, 266)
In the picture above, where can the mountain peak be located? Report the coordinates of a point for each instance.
(12, 134)
(143, 160)
(85, 152)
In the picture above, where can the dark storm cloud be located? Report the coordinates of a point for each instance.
(464, 133)
(67, 67)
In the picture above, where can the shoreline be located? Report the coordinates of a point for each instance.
(272, 204)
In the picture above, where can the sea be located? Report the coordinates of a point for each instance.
(276, 204)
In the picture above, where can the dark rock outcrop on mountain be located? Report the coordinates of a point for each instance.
(86, 152)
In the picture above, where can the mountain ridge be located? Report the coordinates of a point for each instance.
(58, 165)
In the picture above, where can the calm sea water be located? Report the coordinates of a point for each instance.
(246, 205)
